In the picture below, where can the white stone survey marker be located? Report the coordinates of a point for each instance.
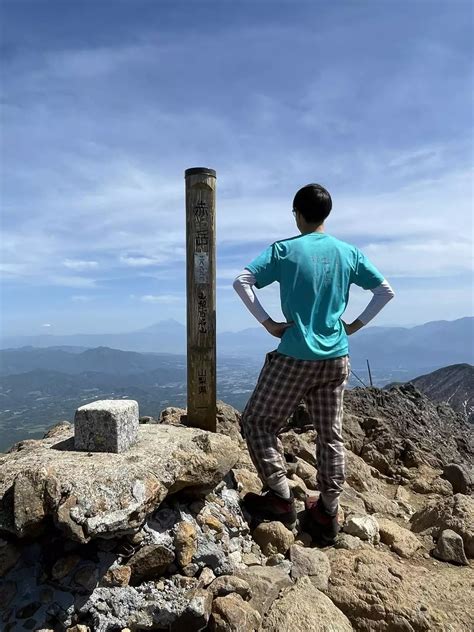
(108, 425)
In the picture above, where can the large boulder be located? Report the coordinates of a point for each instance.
(456, 513)
(380, 594)
(304, 607)
(95, 494)
(460, 477)
(399, 539)
(450, 548)
(266, 583)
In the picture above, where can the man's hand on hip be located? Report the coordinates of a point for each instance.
(276, 329)
(351, 328)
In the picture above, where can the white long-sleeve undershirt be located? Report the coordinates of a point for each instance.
(245, 280)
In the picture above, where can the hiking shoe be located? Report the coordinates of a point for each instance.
(271, 506)
(322, 526)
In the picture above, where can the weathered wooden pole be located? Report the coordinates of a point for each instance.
(201, 296)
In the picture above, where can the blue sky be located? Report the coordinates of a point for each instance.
(106, 103)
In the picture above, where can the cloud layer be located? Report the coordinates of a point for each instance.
(100, 123)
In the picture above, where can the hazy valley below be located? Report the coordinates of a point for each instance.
(41, 385)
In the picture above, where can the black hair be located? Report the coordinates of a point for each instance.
(313, 202)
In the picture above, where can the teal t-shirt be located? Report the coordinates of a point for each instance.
(315, 271)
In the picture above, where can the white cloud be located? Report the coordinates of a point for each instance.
(46, 325)
(137, 262)
(162, 298)
(71, 281)
(77, 264)
(81, 298)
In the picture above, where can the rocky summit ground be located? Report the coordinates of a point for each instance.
(155, 538)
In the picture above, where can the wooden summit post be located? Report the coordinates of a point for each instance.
(201, 296)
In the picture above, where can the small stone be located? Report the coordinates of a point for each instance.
(118, 576)
(235, 558)
(137, 538)
(213, 523)
(274, 560)
(273, 537)
(227, 584)
(348, 542)
(311, 563)
(232, 613)
(210, 554)
(190, 570)
(207, 576)
(196, 614)
(250, 559)
(450, 548)
(363, 527)
(185, 543)
(149, 562)
(64, 565)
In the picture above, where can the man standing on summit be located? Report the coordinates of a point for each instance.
(315, 271)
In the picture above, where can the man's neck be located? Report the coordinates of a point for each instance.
(310, 228)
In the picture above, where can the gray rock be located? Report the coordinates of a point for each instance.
(265, 582)
(459, 477)
(196, 614)
(363, 527)
(108, 425)
(348, 542)
(455, 513)
(90, 495)
(150, 562)
(401, 540)
(226, 584)
(311, 563)
(212, 555)
(450, 548)
(304, 607)
(206, 577)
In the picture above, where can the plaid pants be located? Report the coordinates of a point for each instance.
(282, 384)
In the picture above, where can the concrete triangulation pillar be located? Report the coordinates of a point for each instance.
(108, 425)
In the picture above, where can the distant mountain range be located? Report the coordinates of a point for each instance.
(423, 347)
(451, 384)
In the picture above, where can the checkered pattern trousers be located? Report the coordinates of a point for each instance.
(282, 384)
